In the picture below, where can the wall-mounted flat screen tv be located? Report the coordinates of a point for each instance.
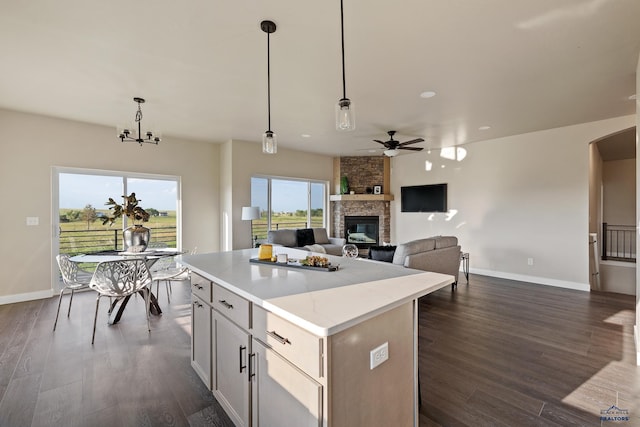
(424, 198)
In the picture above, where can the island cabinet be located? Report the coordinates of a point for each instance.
(244, 373)
(230, 354)
(201, 327)
(290, 348)
(288, 378)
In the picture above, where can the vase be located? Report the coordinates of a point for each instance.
(344, 185)
(136, 238)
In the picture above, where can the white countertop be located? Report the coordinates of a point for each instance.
(321, 302)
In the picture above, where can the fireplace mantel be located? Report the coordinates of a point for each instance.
(361, 197)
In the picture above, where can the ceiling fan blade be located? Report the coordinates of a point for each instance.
(411, 148)
(413, 141)
(380, 142)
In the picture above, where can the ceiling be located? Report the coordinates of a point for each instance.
(516, 66)
(619, 146)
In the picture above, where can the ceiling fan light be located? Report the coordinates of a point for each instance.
(391, 153)
(269, 142)
(345, 117)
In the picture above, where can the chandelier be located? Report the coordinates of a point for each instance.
(134, 135)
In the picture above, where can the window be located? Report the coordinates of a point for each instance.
(287, 203)
(80, 209)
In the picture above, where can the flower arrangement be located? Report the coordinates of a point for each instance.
(129, 207)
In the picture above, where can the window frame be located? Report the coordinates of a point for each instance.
(309, 182)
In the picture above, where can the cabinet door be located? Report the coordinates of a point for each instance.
(201, 339)
(282, 395)
(230, 372)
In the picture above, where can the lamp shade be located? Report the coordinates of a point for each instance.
(250, 212)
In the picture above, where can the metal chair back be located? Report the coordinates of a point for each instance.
(120, 279)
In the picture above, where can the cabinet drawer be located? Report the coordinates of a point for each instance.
(231, 305)
(201, 287)
(300, 347)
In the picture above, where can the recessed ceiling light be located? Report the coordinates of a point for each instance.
(372, 151)
(633, 97)
(427, 94)
(484, 128)
(305, 135)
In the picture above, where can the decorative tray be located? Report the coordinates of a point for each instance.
(294, 264)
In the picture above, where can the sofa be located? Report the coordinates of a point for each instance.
(440, 254)
(312, 239)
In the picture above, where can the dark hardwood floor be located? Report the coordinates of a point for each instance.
(130, 377)
(493, 353)
(504, 353)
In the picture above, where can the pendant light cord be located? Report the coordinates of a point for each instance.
(268, 84)
(344, 84)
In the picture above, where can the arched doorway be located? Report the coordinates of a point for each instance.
(612, 212)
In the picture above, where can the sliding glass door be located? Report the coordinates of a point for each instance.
(79, 209)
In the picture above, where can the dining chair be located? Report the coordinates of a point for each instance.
(73, 279)
(120, 279)
(165, 270)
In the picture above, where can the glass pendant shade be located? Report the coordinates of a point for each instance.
(269, 143)
(345, 117)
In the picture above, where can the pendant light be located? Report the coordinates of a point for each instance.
(269, 138)
(345, 118)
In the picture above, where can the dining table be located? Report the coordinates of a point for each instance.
(150, 256)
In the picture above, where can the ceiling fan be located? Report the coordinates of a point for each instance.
(392, 146)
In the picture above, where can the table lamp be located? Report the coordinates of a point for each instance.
(249, 213)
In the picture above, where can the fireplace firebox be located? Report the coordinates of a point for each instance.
(362, 231)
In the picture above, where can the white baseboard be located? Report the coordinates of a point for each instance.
(532, 279)
(30, 296)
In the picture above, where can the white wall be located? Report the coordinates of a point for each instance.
(511, 199)
(215, 183)
(31, 144)
(595, 190)
(619, 204)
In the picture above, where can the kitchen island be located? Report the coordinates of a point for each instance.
(283, 346)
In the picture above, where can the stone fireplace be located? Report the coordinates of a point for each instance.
(363, 174)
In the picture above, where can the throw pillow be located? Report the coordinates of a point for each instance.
(320, 236)
(305, 237)
(382, 253)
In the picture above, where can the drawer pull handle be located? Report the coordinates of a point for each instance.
(252, 370)
(199, 287)
(282, 340)
(226, 304)
(242, 367)
(197, 304)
